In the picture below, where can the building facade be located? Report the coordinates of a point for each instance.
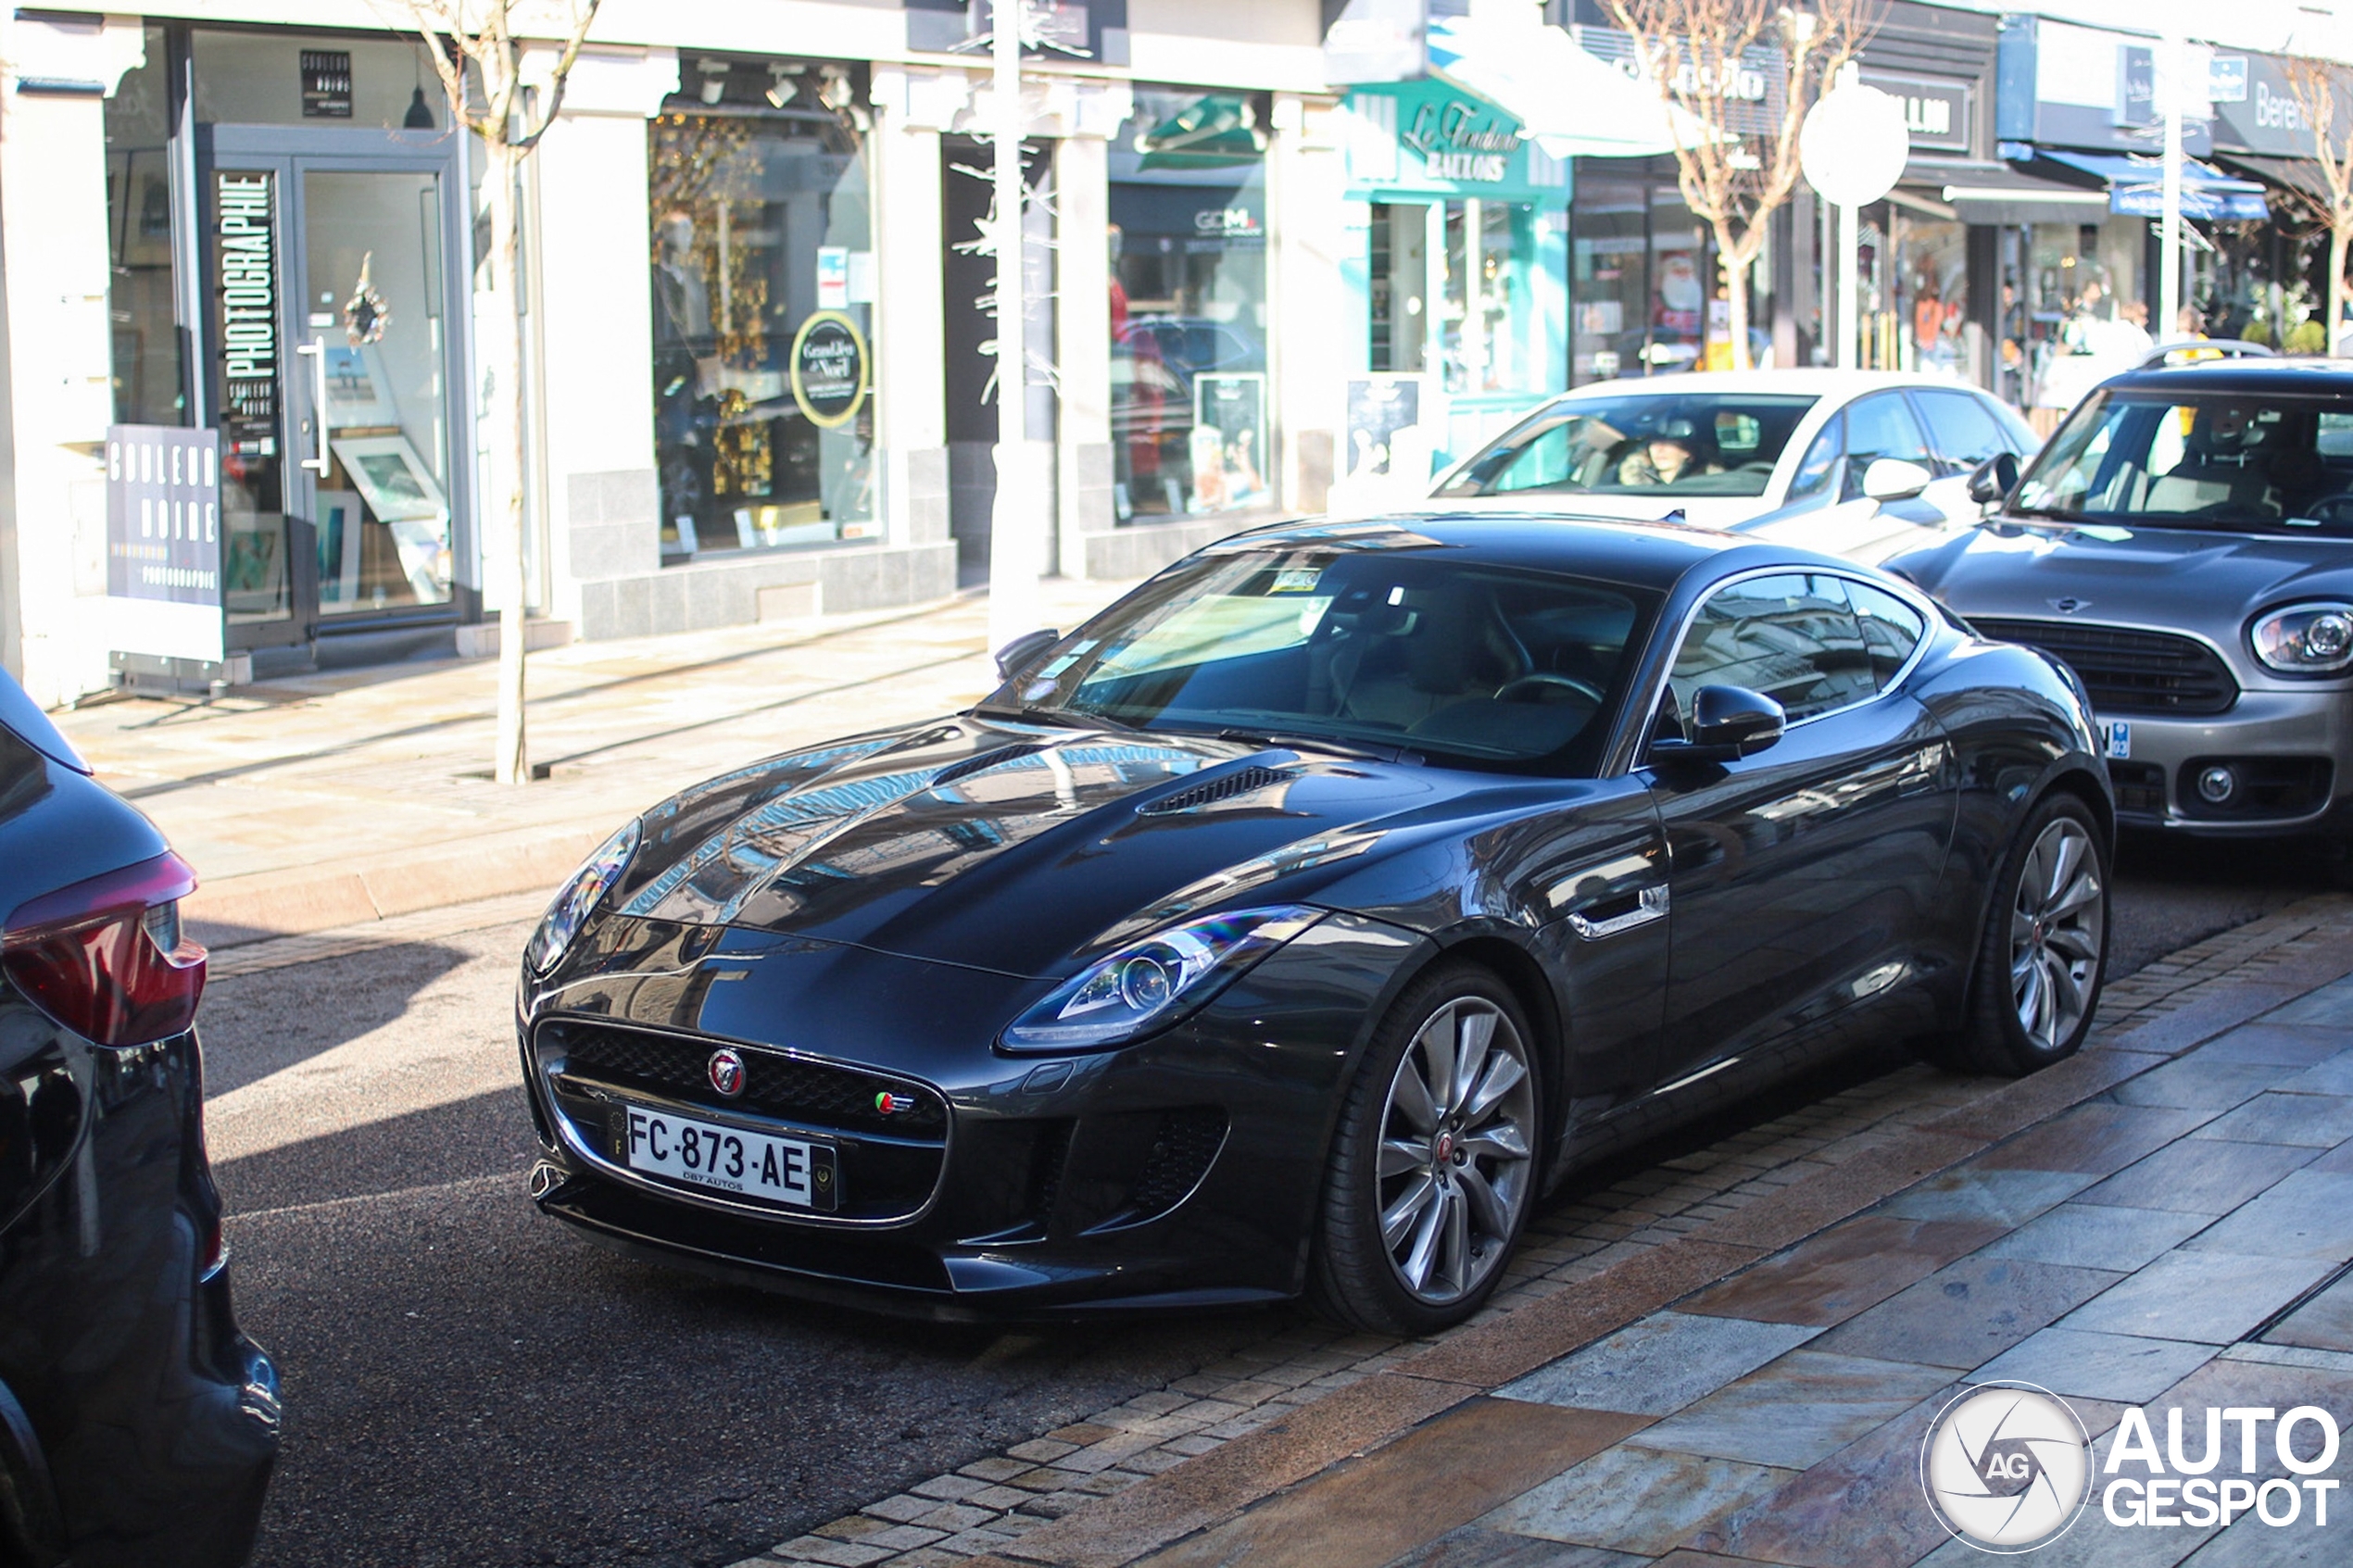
(755, 380)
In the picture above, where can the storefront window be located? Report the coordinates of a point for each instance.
(1680, 271)
(278, 78)
(1190, 403)
(150, 362)
(1612, 282)
(763, 289)
(2087, 316)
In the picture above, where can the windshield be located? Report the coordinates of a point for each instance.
(2230, 461)
(1647, 444)
(1420, 652)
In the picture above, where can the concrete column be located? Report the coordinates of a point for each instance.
(1082, 305)
(593, 327)
(59, 365)
(1311, 335)
(910, 330)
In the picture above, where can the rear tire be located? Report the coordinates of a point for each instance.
(1433, 1166)
(2043, 953)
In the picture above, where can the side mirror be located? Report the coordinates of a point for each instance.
(1893, 479)
(1726, 722)
(1020, 655)
(1993, 479)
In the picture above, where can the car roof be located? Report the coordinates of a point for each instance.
(1817, 381)
(1656, 556)
(2290, 378)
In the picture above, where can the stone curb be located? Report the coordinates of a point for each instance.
(1215, 1485)
(299, 901)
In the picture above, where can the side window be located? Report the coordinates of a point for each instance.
(1813, 475)
(1793, 638)
(1891, 629)
(1963, 428)
(1880, 426)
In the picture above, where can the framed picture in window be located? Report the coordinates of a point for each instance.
(1229, 441)
(390, 477)
(358, 393)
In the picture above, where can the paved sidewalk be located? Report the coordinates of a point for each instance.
(1731, 1358)
(390, 764)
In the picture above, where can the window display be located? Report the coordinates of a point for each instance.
(763, 287)
(1190, 399)
(150, 370)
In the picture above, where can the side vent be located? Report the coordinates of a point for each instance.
(1182, 1153)
(981, 763)
(1226, 786)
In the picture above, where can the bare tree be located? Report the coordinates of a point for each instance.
(478, 49)
(2323, 90)
(1708, 59)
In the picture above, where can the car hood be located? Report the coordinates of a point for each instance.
(2207, 582)
(1013, 847)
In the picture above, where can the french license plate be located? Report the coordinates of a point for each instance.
(799, 1171)
(2119, 739)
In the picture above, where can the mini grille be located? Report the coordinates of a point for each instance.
(2128, 671)
(1243, 781)
(774, 1085)
(981, 763)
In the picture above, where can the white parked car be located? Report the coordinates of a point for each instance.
(1856, 463)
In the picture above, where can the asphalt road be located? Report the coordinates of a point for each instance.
(467, 1383)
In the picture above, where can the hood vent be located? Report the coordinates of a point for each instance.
(981, 763)
(1243, 781)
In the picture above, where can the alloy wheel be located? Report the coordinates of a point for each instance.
(1457, 1131)
(2056, 927)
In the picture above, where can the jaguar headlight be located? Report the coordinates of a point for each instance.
(1154, 980)
(570, 911)
(2314, 639)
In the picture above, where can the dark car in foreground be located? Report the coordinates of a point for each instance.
(1296, 923)
(137, 1426)
(2185, 543)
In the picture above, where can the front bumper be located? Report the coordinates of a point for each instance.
(2291, 752)
(1180, 1171)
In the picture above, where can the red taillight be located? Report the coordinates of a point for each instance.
(106, 958)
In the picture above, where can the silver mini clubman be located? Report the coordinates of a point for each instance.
(2184, 544)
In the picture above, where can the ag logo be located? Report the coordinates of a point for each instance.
(2007, 1467)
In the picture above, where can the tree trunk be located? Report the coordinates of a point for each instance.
(1733, 262)
(2339, 234)
(503, 354)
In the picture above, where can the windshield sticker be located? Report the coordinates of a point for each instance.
(1297, 579)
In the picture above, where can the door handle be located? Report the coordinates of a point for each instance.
(1615, 915)
(316, 352)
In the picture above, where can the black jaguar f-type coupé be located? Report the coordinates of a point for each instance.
(1297, 921)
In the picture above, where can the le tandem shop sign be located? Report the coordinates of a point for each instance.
(1457, 142)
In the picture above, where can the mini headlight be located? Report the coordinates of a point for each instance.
(1154, 980)
(570, 911)
(2306, 639)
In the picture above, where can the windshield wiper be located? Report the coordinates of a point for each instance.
(1309, 739)
(1070, 718)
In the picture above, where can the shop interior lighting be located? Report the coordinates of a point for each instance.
(714, 79)
(833, 88)
(782, 84)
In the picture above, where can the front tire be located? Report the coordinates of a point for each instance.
(2045, 950)
(1433, 1166)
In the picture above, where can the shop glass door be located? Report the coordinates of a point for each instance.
(374, 346)
(333, 361)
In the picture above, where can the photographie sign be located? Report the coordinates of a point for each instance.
(245, 284)
(163, 542)
(828, 369)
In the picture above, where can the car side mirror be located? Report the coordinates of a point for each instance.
(1993, 479)
(1893, 479)
(1020, 655)
(1726, 722)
